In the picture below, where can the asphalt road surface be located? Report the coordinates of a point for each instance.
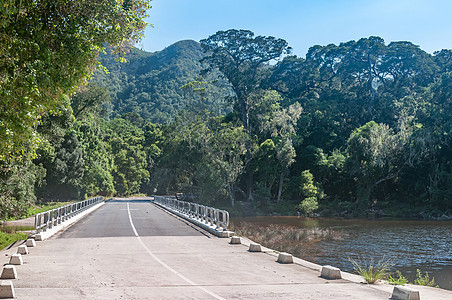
(112, 220)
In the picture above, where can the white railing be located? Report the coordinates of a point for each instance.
(53, 217)
(212, 217)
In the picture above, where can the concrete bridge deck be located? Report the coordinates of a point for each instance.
(132, 249)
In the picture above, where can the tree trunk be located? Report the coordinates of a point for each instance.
(246, 126)
(281, 181)
(371, 78)
(250, 184)
(231, 195)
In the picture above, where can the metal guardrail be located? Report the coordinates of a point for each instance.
(53, 217)
(210, 216)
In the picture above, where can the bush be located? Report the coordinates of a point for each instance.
(370, 270)
(309, 205)
(398, 279)
(424, 279)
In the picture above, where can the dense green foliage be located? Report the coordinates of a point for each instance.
(357, 129)
(150, 84)
(241, 58)
(48, 48)
(372, 137)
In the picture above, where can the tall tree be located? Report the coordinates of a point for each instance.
(130, 164)
(223, 145)
(89, 99)
(280, 123)
(241, 57)
(48, 48)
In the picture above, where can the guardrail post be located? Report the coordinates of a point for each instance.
(212, 217)
(46, 220)
(50, 220)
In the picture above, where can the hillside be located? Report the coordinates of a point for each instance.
(149, 83)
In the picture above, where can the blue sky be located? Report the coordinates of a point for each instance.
(303, 23)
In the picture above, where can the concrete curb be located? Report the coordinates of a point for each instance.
(22, 249)
(9, 272)
(43, 235)
(16, 259)
(211, 229)
(235, 240)
(329, 272)
(285, 258)
(404, 293)
(254, 247)
(304, 263)
(6, 289)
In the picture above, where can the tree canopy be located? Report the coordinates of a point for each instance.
(241, 58)
(357, 129)
(48, 48)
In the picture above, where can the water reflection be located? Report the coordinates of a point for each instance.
(411, 245)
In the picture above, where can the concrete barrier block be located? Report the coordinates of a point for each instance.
(22, 249)
(226, 234)
(6, 289)
(9, 272)
(404, 293)
(285, 258)
(254, 247)
(16, 259)
(30, 243)
(235, 240)
(38, 237)
(329, 272)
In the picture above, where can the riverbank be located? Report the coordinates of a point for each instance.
(410, 245)
(343, 210)
(16, 230)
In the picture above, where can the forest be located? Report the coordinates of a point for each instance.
(359, 129)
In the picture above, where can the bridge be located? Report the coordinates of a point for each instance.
(135, 249)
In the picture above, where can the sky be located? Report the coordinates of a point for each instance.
(303, 23)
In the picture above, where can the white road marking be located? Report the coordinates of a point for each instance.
(164, 264)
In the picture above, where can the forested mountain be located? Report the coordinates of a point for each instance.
(362, 128)
(152, 84)
(351, 129)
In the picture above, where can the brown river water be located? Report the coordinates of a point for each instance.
(409, 245)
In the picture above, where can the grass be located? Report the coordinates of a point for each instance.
(11, 234)
(372, 271)
(7, 239)
(284, 238)
(398, 279)
(45, 207)
(35, 209)
(421, 279)
(424, 279)
(14, 229)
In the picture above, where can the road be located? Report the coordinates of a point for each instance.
(132, 249)
(113, 220)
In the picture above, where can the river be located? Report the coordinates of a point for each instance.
(410, 245)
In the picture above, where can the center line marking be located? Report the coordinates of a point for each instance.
(164, 264)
